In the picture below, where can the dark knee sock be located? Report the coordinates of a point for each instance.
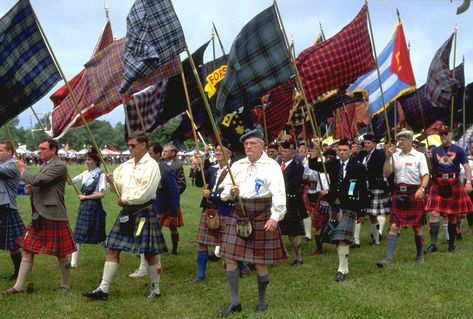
(175, 241)
(318, 243)
(434, 232)
(202, 264)
(392, 241)
(16, 259)
(233, 280)
(263, 282)
(419, 245)
(452, 233)
(469, 219)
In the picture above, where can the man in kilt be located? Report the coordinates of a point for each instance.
(259, 183)
(211, 204)
(447, 195)
(49, 232)
(136, 228)
(90, 225)
(379, 206)
(11, 225)
(348, 194)
(411, 177)
(292, 223)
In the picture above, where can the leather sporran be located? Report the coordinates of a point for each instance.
(213, 220)
(324, 208)
(127, 225)
(244, 229)
(445, 190)
(403, 202)
(329, 230)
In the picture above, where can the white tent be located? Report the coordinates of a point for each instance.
(83, 151)
(22, 150)
(63, 151)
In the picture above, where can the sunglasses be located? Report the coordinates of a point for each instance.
(444, 133)
(131, 145)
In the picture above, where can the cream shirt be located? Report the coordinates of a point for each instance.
(137, 184)
(410, 167)
(262, 179)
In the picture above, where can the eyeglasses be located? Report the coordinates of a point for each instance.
(250, 143)
(131, 145)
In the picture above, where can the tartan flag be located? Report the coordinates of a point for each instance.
(335, 101)
(345, 123)
(337, 61)
(258, 61)
(465, 139)
(27, 70)
(214, 73)
(154, 38)
(441, 84)
(378, 121)
(150, 103)
(80, 80)
(395, 68)
(410, 105)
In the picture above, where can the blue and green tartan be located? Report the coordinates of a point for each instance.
(27, 70)
(90, 225)
(13, 229)
(258, 62)
(345, 230)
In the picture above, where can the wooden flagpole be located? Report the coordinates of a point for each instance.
(463, 109)
(218, 38)
(138, 112)
(212, 35)
(74, 99)
(197, 130)
(455, 35)
(263, 107)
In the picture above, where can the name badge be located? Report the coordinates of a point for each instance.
(444, 176)
(351, 188)
(258, 183)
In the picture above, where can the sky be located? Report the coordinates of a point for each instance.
(73, 28)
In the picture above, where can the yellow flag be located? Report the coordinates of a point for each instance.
(213, 78)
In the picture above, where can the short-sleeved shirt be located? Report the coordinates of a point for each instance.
(448, 159)
(410, 167)
(87, 178)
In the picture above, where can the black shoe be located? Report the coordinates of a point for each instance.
(261, 308)
(96, 294)
(340, 277)
(459, 236)
(213, 257)
(431, 249)
(355, 245)
(452, 249)
(297, 262)
(380, 237)
(306, 239)
(13, 277)
(230, 309)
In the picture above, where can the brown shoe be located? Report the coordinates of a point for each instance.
(384, 263)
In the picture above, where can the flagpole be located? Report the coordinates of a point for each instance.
(263, 107)
(105, 6)
(197, 130)
(138, 112)
(10, 137)
(388, 131)
(455, 34)
(218, 38)
(463, 111)
(212, 34)
(74, 99)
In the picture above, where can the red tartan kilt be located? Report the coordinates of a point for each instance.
(458, 203)
(165, 221)
(414, 216)
(54, 239)
(310, 206)
(318, 220)
(208, 237)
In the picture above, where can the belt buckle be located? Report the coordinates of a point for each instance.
(403, 188)
(445, 176)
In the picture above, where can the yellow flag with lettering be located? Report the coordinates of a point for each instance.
(213, 78)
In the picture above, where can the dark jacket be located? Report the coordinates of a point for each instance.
(375, 165)
(293, 181)
(179, 171)
(167, 194)
(354, 172)
(223, 207)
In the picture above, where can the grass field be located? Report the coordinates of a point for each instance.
(438, 289)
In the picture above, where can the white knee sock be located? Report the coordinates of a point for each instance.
(343, 251)
(307, 227)
(357, 233)
(154, 276)
(110, 268)
(217, 251)
(143, 263)
(445, 229)
(381, 221)
(75, 256)
(374, 231)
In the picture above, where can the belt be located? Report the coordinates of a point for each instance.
(406, 188)
(447, 175)
(135, 208)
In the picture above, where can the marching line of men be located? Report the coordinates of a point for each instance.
(270, 195)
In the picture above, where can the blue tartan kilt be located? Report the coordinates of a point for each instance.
(90, 225)
(345, 230)
(11, 228)
(149, 241)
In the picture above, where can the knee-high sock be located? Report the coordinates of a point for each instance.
(434, 232)
(392, 241)
(452, 232)
(343, 251)
(375, 232)
(307, 227)
(296, 243)
(318, 243)
(110, 268)
(155, 276)
(16, 259)
(143, 263)
(175, 241)
(25, 268)
(469, 219)
(263, 282)
(381, 221)
(357, 233)
(233, 280)
(445, 229)
(217, 251)
(75, 256)
(65, 278)
(202, 264)
(419, 245)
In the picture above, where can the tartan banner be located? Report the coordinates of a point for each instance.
(214, 73)
(345, 122)
(258, 62)
(410, 105)
(154, 37)
(27, 70)
(337, 61)
(335, 101)
(441, 84)
(150, 103)
(378, 122)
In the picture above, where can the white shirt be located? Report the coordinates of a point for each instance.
(268, 174)
(410, 167)
(87, 177)
(319, 178)
(137, 184)
(462, 169)
(345, 163)
(286, 164)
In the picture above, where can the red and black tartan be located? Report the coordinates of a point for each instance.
(54, 238)
(165, 221)
(458, 203)
(208, 237)
(262, 247)
(414, 216)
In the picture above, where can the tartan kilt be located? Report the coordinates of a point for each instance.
(318, 220)
(346, 228)
(414, 216)
(165, 222)
(150, 241)
(310, 206)
(292, 224)
(261, 247)
(90, 225)
(458, 203)
(54, 238)
(379, 203)
(12, 230)
(208, 237)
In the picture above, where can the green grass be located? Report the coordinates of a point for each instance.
(438, 289)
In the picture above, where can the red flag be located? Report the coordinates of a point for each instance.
(345, 123)
(339, 60)
(400, 61)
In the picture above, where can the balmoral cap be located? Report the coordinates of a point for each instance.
(251, 133)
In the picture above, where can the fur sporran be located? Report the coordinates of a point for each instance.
(244, 229)
(213, 221)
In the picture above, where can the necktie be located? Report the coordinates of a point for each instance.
(340, 173)
(283, 166)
